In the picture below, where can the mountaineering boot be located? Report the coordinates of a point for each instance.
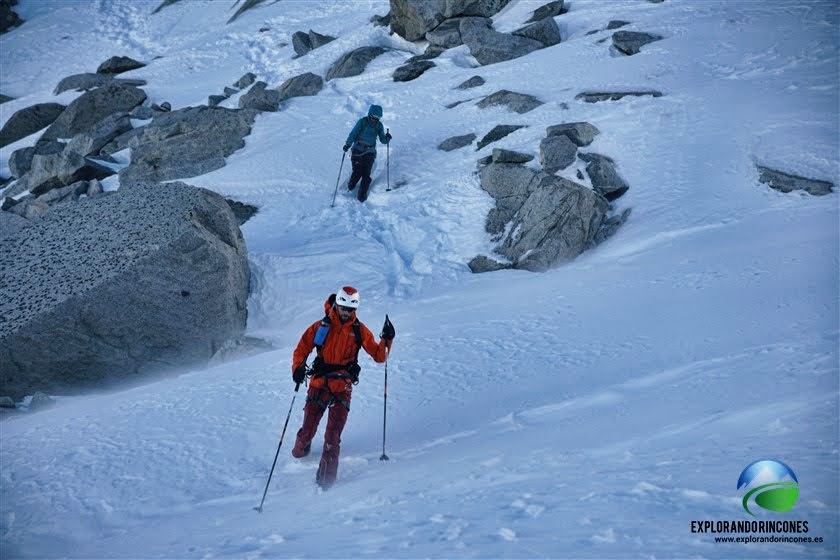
(363, 192)
(351, 186)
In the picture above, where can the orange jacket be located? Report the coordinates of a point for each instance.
(339, 348)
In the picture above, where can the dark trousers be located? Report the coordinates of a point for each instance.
(362, 164)
(318, 401)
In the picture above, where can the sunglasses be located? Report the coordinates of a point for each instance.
(374, 118)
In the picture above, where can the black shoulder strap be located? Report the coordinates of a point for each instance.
(364, 124)
(357, 330)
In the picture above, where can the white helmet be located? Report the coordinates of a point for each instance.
(347, 296)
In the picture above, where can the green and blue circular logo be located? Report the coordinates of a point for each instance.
(769, 484)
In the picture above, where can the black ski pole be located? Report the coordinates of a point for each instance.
(385, 406)
(259, 508)
(336, 183)
(388, 178)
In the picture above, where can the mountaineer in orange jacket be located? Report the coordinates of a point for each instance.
(338, 337)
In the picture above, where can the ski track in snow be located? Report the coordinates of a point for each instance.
(591, 411)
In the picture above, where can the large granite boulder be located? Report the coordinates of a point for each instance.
(544, 219)
(412, 71)
(259, 98)
(475, 81)
(787, 182)
(631, 42)
(545, 31)
(353, 63)
(549, 10)
(29, 121)
(91, 107)
(497, 133)
(305, 42)
(604, 176)
(581, 133)
(58, 168)
(86, 82)
(301, 86)
(489, 46)
(186, 143)
(456, 142)
(556, 153)
(8, 17)
(411, 19)
(447, 34)
(517, 102)
(148, 278)
(21, 160)
(91, 141)
(118, 65)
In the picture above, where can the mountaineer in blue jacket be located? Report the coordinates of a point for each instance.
(363, 141)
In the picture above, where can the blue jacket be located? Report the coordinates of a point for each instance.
(364, 134)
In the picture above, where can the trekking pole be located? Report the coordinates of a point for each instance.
(259, 508)
(388, 178)
(385, 406)
(336, 183)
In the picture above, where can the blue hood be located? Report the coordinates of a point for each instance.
(376, 111)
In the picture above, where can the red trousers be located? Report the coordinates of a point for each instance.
(318, 400)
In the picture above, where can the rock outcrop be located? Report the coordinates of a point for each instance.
(149, 278)
(29, 121)
(786, 182)
(353, 63)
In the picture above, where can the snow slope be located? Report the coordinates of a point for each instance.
(591, 411)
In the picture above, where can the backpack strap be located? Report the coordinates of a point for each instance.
(323, 369)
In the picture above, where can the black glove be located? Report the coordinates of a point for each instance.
(299, 375)
(387, 137)
(388, 332)
(353, 371)
(346, 147)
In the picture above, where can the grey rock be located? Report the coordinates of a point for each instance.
(579, 175)
(509, 156)
(596, 96)
(5, 98)
(11, 224)
(91, 107)
(94, 139)
(432, 51)
(21, 160)
(214, 100)
(556, 153)
(94, 188)
(604, 176)
(63, 194)
(301, 43)
(7, 202)
(52, 171)
(381, 21)
(610, 226)
(483, 263)
(631, 42)
(353, 63)
(230, 91)
(497, 133)
(488, 46)
(7, 402)
(456, 103)
(8, 17)
(447, 34)
(412, 71)
(557, 222)
(581, 133)
(617, 23)
(186, 143)
(411, 19)
(142, 112)
(121, 142)
(118, 65)
(29, 121)
(241, 210)
(456, 142)
(300, 86)
(517, 102)
(510, 185)
(259, 98)
(549, 10)
(149, 278)
(164, 107)
(317, 40)
(245, 81)
(480, 8)
(786, 182)
(486, 160)
(40, 401)
(545, 31)
(246, 5)
(87, 82)
(475, 81)
(31, 209)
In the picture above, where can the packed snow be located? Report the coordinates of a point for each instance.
(592, 411)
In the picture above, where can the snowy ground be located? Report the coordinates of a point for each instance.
(591, 411)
